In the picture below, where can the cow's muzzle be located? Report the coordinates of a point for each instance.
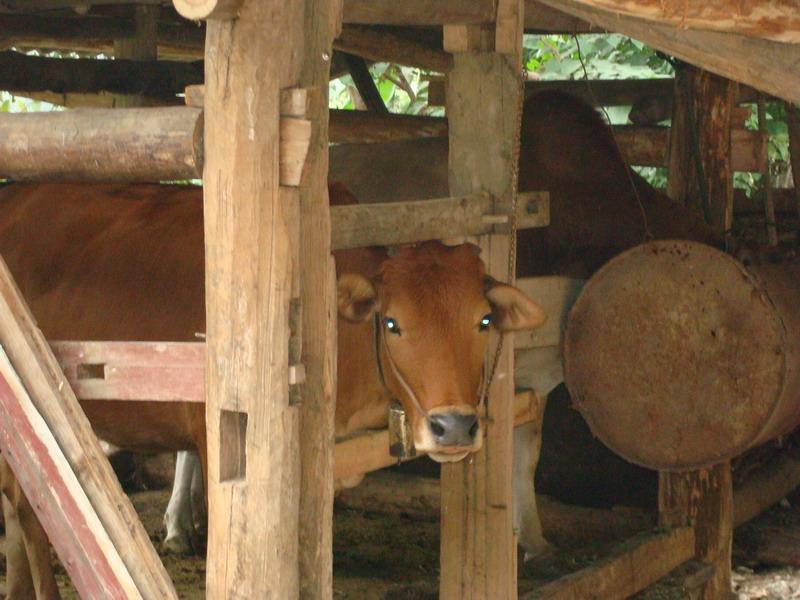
(453, 428)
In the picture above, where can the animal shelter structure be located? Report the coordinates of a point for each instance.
(256, 128)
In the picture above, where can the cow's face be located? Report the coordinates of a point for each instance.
(433, 306)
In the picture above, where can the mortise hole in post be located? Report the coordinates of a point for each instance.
(232, 447)
(91, 371)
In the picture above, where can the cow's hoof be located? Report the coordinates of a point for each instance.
(179, 545)
(536, 550)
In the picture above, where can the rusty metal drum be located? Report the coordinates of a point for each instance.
(678, 356)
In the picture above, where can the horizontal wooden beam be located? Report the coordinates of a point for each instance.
(385, 46)
(146, 144)
(418, 12)
(394, 223)
(156, 79)
(350, 126)
(777, 20)
(765, 65)
(632, 567)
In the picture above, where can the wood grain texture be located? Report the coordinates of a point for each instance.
(769, 19)
(384, 46)
(53, 398)
(249, 275)
(631, 567)
(61, 505)
(477, 545)
(317, 294)
(142, 45)
(703, 499)
(136, 144)
(418, 12)
(764, 64)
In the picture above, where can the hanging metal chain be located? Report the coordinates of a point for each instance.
(512, 242)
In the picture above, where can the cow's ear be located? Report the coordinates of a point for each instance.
(512, 310)
(357, 297)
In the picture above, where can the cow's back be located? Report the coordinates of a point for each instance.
(112, 262)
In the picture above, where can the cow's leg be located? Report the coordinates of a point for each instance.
(181, 535)
(29, 568)
(198, 497)
(527, 444)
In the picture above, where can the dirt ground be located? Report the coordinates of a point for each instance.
(393, 554)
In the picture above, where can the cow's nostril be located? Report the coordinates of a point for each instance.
(473, 431)
(436, 428)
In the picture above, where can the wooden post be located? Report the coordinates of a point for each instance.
(251, 239)
(142, 45)
(679, 151)
(483, 90)
(317, 296)
(704, 500)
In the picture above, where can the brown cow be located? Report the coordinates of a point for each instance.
(126, 262)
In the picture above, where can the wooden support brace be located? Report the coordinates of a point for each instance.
(295, 135)
(55, 401)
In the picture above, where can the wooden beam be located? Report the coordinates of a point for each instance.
(137, 144)
(46, 477)
(54, 400)
(633, 566)
(385, 46)
(703, 500)
(198, 10)
(365, 85)
(316, 312)
(540, 18)
(252, 276)
(141, 46)
(162, 79)
(35, 6)
(348, 126)
(766, 65)
(418, 12)
(484, 92)
(767, 19)
(408, 222)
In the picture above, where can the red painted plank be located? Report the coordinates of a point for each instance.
(59, 512)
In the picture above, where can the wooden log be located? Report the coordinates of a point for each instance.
(478, 550)
(54, 400)
(544, 19)
(161, 79)
(766, 487)
(418, 12)
(630, 568)
(765, 65)
(34, 6)
(385, 46)
(317, 302)
(251, 221)
(62, 507)
(145, 144)
(407, 222)
(197, 10)
(680, 146)
(703, 500)
(767, 19)
(349, 126)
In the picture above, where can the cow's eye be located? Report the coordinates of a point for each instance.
(392, 325)
(485, 322)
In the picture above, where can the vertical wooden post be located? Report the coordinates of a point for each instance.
(253, 430)
(477, 548)
(317, 298)
(704, 500)
(143, 45)
(680, 149)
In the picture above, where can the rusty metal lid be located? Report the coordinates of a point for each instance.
(675, 355)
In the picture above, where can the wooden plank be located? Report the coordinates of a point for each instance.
(42, 377)
(136, 144)
(384, 46)
(250, 238)
(317, 295)
(555, 295)
(159, 80)
(407, 222)
(418, 12)
(46, 477)
(368, 451)
(631, 567)
(768, 19)
(544, 19)
(703, 499)
(347, 126)
(765, 65)
(477, 544)
(679, 150)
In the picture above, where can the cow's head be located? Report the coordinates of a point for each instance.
(433, 306)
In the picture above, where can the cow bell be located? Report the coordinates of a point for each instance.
(401, 438)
